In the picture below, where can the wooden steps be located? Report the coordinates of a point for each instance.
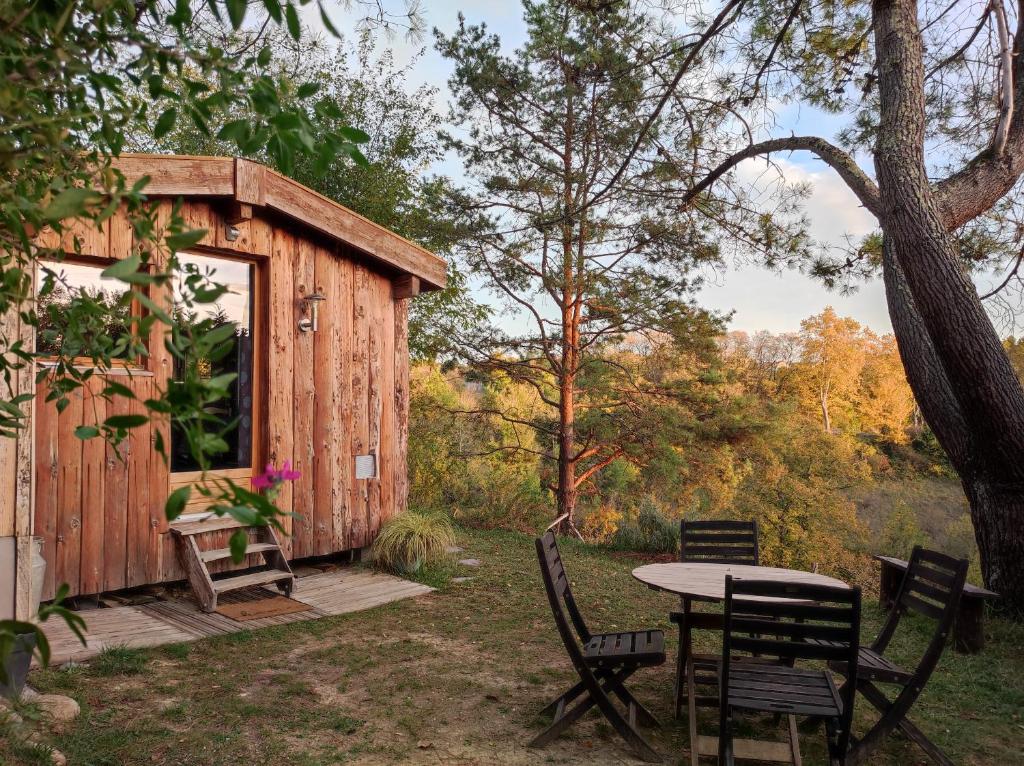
(196, 560)
(263, 577)
(219, 554)
(211, 523)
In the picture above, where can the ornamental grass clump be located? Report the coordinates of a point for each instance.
(408, 542)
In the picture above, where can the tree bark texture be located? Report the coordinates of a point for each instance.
(955, 361)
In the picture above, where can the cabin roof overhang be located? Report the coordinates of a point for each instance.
(250, 183)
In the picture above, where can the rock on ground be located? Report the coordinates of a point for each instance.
(57, 707)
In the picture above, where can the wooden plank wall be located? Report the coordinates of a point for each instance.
(16, 484)
(326, 397)
(332, 396)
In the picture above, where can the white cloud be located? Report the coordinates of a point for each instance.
(770, 300)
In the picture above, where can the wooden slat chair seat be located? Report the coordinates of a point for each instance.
(932, 588)
(643, 647)
(764, 618)
(784, 690)
(603, 661)
(721, 541)
(874, 667)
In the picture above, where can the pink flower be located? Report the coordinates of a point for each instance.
(262, 482)
(271, 477)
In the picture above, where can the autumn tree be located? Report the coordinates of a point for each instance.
(764, 360)
(885, 404)
(832, 357)
(541, 130)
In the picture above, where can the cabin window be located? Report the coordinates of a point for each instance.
(60, 283)
(234, 307)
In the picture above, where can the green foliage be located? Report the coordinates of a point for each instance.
(650, 531)
(366, 87)
(902, 532)
(472, 465)
(409, 542)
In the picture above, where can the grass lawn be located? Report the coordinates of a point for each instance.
(453, 677)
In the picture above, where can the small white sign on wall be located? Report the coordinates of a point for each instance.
(366, 466)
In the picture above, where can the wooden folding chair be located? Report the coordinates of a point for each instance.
(932, 588)
(790, 622)
(706, 542)
(603, 661)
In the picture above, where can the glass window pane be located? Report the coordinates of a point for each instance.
(72, 281)
(233, 307)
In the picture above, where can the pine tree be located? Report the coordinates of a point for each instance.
(544, 128)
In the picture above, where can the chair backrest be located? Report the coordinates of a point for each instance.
(793, 621)
(556, 583)
(931, 587)
(718, 542)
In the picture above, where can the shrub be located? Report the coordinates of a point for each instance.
(601, 524)
(409, 541)
(651, 531)
(902, 531)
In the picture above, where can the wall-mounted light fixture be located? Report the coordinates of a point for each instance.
(311, 307)
(231, 232)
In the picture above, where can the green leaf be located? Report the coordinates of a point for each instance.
(236, 130)
(176, 502)
(354, 135)
(264, 56)
(274, 9)
(222, 381)
(185, 239)
(87, 432)
(126, 267)
(328, 24)
(292, 17)
(126, 421)
(165, 122)
(358, 157)
(246, 515)
(113, 388)
(307, 89)
(218, 335)
(154, 309)
(236, 11)
(238, 543)
(70, 203)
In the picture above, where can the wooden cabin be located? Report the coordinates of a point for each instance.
(333, 401)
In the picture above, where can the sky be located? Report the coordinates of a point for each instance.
(756, 298)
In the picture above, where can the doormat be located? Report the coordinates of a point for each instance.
(272, 606)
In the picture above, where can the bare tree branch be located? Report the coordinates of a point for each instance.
(1005, 79)
(836, 158)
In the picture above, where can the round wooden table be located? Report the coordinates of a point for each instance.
(706, 582)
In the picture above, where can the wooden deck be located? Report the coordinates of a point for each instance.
(177, 620)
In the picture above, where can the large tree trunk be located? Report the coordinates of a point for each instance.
(997, 508)
(955, 361)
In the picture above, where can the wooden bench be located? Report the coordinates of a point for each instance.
(969, 630)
